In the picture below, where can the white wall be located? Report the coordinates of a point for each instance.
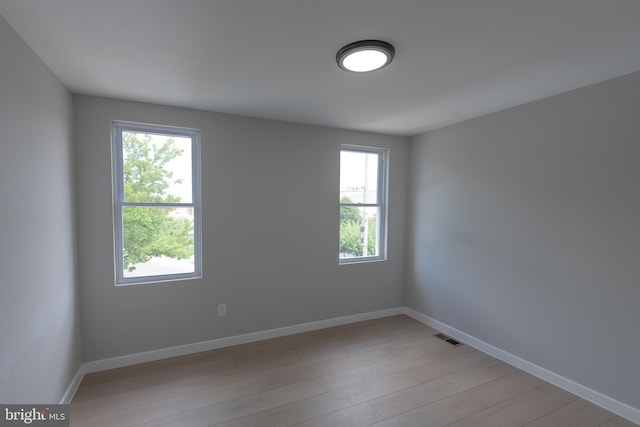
(39, 332)
(525, 233)
(270, 202)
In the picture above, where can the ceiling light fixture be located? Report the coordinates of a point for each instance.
(365, 55)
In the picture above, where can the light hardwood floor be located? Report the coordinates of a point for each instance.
(385, 372)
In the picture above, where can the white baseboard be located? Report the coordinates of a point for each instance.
(73, 386)
(619, 408)
(164, 353)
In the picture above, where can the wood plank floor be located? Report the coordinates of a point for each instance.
(385, 372)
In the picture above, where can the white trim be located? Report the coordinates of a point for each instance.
(381, 203)
(619, 408)
(164, 353)
(73, 386)
(119, 204)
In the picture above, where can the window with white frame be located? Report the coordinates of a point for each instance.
(156, 203)
(363, 209)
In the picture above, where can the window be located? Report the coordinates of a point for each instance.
(156, 203)
(362, 204)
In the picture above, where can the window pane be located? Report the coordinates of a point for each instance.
(156, 168)
(359, 232)
(358, 177)
(157, 240)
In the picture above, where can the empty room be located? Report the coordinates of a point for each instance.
(320, 213)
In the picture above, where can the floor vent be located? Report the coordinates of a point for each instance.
(448, 339)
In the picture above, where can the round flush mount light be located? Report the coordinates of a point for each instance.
(365, 55)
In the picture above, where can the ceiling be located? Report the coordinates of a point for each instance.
(455, 59)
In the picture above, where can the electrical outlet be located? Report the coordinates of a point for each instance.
(222, 310)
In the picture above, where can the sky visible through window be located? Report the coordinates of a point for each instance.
(359, 225)
(179, 185)
(180, 166)
(359, 176)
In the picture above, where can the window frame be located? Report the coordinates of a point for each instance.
(381, 203)
(117, 129)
